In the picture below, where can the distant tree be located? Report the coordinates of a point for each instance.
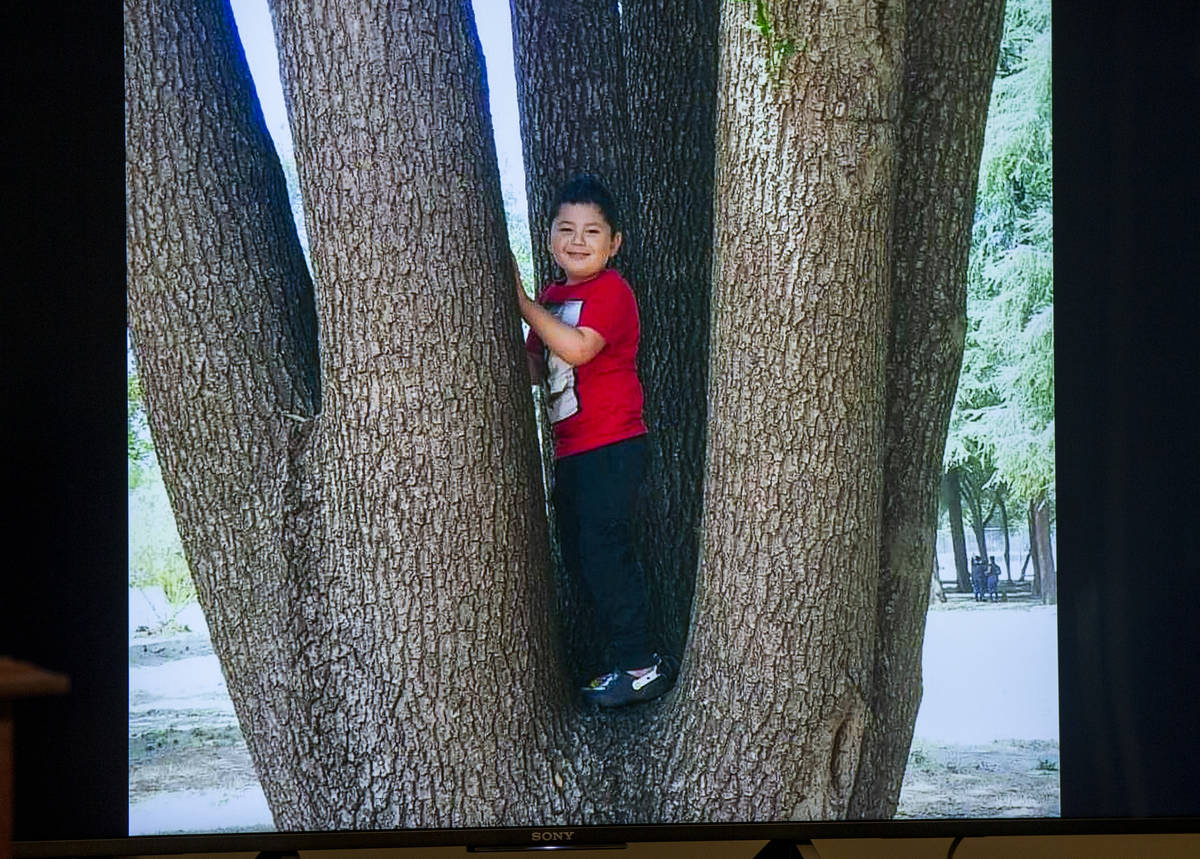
(1004, 529)
(952, 501)
(935, 584)
(975, 486)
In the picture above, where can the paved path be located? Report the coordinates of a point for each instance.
(991, 673)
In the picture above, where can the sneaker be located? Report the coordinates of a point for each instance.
(618, 688)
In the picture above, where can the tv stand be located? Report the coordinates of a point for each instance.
(786, 848)
(18, 680)
(528, 848)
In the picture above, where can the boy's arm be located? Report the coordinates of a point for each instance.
(574, 345)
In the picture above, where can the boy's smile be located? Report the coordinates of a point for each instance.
(582, 241)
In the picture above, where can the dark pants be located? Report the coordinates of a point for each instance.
(595, 493)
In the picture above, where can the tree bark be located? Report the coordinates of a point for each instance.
(428, 433)
(783, 622)
(222, 322)
(571, 92)
(1007, 543)
(671, 66)
(416, 481)
(646, 78)
(949, 59)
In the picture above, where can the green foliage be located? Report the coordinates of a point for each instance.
(779, 48)
(139, 447)
(164, 567)
(155, 553)
(1003, 421)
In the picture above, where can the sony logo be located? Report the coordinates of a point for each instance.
(553, 835)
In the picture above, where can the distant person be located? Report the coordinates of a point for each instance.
(978, 575)
(993, 579)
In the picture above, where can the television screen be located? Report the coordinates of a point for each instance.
(379, 579)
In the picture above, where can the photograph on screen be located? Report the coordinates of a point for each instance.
(805, 568)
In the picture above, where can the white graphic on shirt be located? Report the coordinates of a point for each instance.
(560, 376)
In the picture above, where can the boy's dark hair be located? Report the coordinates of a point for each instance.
(588, 189)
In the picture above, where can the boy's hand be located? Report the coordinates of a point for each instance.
(521, 296)
(537, 366)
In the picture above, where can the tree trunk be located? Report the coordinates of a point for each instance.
(969, 485)
(784, 620)
(671, 69)
(935, 585)
(1004, 526)
(433, 469)
(949, 55)
(571, 92)
(1043, 552)
(650, 132)
(1036, 587)
(222, 321)
(368, 621)
(953, 501)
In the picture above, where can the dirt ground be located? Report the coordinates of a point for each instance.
(986, 740)
(189, 770)
(1012, 778)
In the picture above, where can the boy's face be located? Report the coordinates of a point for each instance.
(582, 241)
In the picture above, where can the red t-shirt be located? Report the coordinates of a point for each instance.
(599, 402)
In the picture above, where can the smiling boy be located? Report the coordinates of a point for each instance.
(583, 339)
